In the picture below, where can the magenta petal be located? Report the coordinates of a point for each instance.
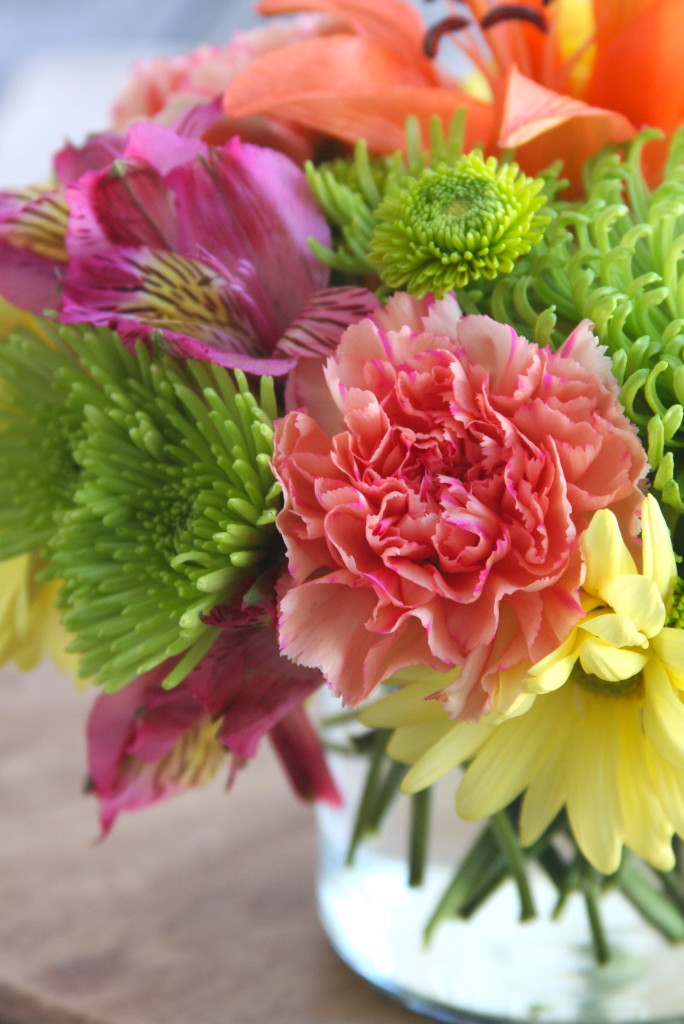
(97, 152)
(199, 119)
(300, 750)
(160, 147)
(245, 680)
(123, 205)
(311, 338)
(319, 325)
(246, 203)
(32, 253)
(203, 317)
(206, 244)
(28, 280)
(128, 733)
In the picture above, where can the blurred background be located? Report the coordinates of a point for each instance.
(62, 62)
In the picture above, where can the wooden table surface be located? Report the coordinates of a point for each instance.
(200, 909)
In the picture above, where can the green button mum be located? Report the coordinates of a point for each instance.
(454, 224)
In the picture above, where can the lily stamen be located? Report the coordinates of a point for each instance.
(513, 12)
(434, 35)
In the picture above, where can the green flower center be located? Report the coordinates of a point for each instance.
(454, 202)
(632, 688)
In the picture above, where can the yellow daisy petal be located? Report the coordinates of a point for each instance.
(616, 630)
(504, 766)
(407, 706)
(658, 556)
(547, 791)
(669, 646)
(553, 670)
(457, 746)
(663, 714)
(611, 663)
(411, 741)
(593, 796)
(668, 783)
(647, 829)
(605, 552)
(30, 626)
(638, 599)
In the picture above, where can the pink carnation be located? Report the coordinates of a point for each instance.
(436, 519)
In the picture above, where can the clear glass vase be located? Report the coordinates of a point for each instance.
(492, 966)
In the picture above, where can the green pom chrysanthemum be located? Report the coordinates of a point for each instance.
(164, 498)
(428, 219)
(453, 225)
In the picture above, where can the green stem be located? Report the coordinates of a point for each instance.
(386, 794)
(598, 934)
(655, 907)
(371, 788)
(510, 847)
(419, 830)
(489, 883)
(673, 886)
(472, 877)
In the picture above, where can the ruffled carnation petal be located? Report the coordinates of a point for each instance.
(462, 470)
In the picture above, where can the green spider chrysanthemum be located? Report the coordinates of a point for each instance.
(166, 501)
(453, 225)
(41, 423)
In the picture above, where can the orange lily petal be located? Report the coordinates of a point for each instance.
(530, 109)
(393, 23)
(613, 16)
(350, 88)
(544, 125)
(638, 66)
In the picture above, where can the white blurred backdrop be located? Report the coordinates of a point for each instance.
(63, 61)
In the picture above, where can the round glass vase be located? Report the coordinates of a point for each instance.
(491, 966)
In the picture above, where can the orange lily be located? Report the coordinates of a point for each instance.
(560, 79)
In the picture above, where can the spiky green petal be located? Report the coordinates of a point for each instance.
(42, 395)
(616, 258)
(173, 506)
(453, 225)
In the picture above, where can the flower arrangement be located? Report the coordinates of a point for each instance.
(325, 367)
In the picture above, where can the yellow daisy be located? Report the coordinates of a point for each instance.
(602, 730)
(30, 627)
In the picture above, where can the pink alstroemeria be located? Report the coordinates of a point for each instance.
(146, 744)
(208, 245)
(33, 224)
